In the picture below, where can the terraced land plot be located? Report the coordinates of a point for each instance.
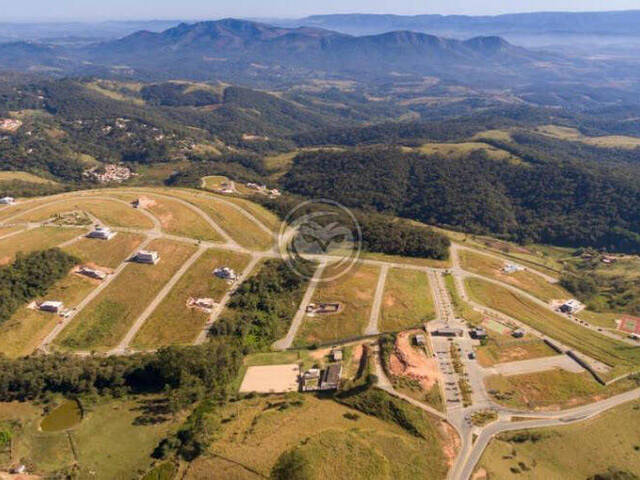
(335, 441)
(105, 253)
(407, 301)
(618, 355)
(175, 323)
(110, 315)
(525, 280)
(355, 292)
(505, 348)
(178, 219)
(23, 333)
(571, 452)
(418, 262)
(241, 228)
(268, 219)
(111, 212)
(36, 239)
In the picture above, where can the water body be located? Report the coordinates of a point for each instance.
(62, 418)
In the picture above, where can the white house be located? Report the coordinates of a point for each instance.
(7, 201)
(147, 256)
(51, 306)
(93, 273)
(102, 233)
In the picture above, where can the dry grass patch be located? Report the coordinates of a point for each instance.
(551, 390)
(605, 141)
(110, 212)
(23, 177)
(105, 253)
(407, 300)
(26, 330)
(172, 322)
(504, 348)
(355, 292)
(420, 262)
(464, 149)
(36, 239)
(528, 281)
(110, 315)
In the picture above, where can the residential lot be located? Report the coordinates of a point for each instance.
(407, 301)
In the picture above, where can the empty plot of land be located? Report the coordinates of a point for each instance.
(407, 300)
(111, 212)
(616, 354)
(35, 239)
(538, 365)
(173, 322)
(178, 219)
(504, 348)
(271, 379)
(527, 281)
(268, 219)
(27, 328)
(241, 228)
(355, 292)
(105, 253)
(110, 315)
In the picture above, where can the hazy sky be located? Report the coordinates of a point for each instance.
(211, 9)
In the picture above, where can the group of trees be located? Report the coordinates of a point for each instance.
(261, 309)
(193, 371)
(550, 200)
(30, 276)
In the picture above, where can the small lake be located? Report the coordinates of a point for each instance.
(63, 417)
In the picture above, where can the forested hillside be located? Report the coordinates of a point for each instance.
(549, 200)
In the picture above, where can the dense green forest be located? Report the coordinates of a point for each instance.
(30, 276)
(549, 201)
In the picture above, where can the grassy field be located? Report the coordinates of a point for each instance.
(616, 354)
(109, 316)
(461, 308)
(172, 322)
(214, 181)
(257, 431)
(572, 452)
(422, 262)
(23, 177)
(112, 213)
(110, 430)
(8, 230)
(551, 389)
(504, 348)
(27, 328)
(35, 239)
(464, 149)
(110, 253)
(606, 141)
(407, 300)
(268, 218)
(525, 280)
(238, 226)
(355, 292)
(178, 219)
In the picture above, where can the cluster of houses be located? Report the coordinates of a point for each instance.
(110, 173)
(328, 378)
(273, 192)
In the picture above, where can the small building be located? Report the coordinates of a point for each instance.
(478, 333)
(225, 273)
(311, 380)
(18, 469)
(570, 306)
(92, 273)
(419, 340)
(102, 233)
(205, 303)
(51, 306)
(512, 268)
(323, 308)
(147, 256)
(7, 201)
(336, 355)
(447, 332)
(608, 259)
(331, 377)
(518, 333)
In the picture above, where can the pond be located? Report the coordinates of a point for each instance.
(62, 418)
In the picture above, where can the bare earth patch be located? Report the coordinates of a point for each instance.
(271, 379)
(407, 361)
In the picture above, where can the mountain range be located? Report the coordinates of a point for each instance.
(251, 52)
